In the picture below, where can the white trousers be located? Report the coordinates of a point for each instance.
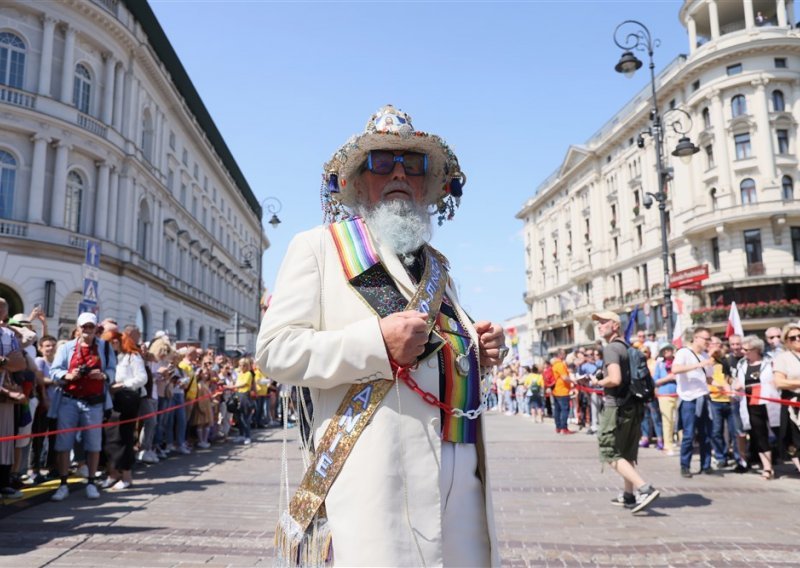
(465, 532)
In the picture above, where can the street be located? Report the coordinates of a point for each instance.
(552, 507)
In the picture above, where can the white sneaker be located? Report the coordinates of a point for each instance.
(61, 493)
(203, 445)
(92, 492)
(109, 481)
(82, 471)
(149, 457)
(184, 450)
(161, 454)
(120, 485)
(246, 441)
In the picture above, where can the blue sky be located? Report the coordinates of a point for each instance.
(509, 85)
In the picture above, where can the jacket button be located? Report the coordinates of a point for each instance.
(432, 362)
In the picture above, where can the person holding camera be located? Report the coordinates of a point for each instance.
(83, 369)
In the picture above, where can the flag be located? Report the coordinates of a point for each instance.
(734, 323)
(677, 333)
(631, 324)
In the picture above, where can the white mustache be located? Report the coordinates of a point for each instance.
(397, 185)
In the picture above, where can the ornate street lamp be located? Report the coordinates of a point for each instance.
(639, 38)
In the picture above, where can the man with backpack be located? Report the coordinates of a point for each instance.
(625, 384)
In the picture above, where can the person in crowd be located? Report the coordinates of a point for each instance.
(126, 392)
(147, 407)
(84, 368)
(620, 423)
(561, 392)
(651, 422)
(723, 414)
(41, 459)
(12, 360)
(755, 376)
(786, 367)
(523, 406)
(260, 414)
(508, 392)
(176, 421)
(666, 395)
(587, 370)
(163, 369)
(774, 342)
(651, 343)
(202, 415)
(245, 387)
(227, 385)
(391, 177)
(735, 351)
(692, 369)
(536, 389)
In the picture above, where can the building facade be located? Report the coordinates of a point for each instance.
(591, 242)
(104, 138)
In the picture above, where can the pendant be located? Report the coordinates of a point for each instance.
(463, 364)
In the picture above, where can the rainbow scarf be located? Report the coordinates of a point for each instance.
(459, 391)
(354, 245)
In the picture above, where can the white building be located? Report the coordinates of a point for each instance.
(103, 137)
(590, 242)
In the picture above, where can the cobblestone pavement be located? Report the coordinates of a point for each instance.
(218, 508)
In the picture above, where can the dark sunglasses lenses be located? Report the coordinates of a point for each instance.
(793, 338)
(382, 162)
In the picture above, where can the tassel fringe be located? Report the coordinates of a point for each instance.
(295, 548)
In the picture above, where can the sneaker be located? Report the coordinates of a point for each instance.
(109, 482)
(644, 443)
(644, 498)
(685, 472)
(162, 455)
(92, 492)
(149, 456)
(10, 493)
(121, 485)
(184, 450)
(741, 468)
(61, 493)
(203, 445)
(38, 478)
(246, 441)
(627, 500)
(82, 471)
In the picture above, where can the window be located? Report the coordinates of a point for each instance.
(748, 190)
(796, 243)
(780, 63)
(82, 89)
(710, 156)
(672, 104)
(143, 229)
(712, 194)
(715, 253)
(12, 60)
(742, 143)
(778, 102)
(168, 262)
(194, 207)
(734, 69)
(74, 202)
(213, 225)
(183, 194)
(696, 85)
(8, 175)
(185, 157)
(147, 135)
(706, 118)
(639, 235)
(619, 286)
(645, 279)
(787, 188)
(752, 246)
(738, 106)
(668, 222)
(613, 216)
(196, 171)
(172, 140)
(783, 140)
(674, 261)
(616, 247)
(170, 180)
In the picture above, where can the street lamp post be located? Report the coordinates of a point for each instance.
(641, 39)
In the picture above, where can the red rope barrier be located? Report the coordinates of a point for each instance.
(721, 393)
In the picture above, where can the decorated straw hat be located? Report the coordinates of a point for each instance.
(391, 129)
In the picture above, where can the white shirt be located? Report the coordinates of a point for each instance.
(691, 384)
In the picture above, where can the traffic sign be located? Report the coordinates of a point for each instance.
(87, 307)
(93, 253)
(90, 290)
(91, 272)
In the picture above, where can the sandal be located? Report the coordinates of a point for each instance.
(767, 474)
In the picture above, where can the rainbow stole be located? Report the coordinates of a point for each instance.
(460, 391)
(356, 250)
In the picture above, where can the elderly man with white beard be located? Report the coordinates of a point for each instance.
(365, 314)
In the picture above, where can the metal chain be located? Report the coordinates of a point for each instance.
(404, 374)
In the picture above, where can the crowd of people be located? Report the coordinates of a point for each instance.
(95, 405)
(735, 400)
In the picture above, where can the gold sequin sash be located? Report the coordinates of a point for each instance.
(302, 537)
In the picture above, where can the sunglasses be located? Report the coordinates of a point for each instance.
(793, 338)
(382, 162)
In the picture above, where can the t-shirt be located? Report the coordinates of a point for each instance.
(692, 384)
(787, 363)
(752, 383)
(44, 368)
(616, 353)
(662, 370)
(719, 387)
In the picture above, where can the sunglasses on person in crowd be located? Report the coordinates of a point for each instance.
(382, 162)
(793, 338)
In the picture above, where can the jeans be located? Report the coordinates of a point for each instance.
(561, 411)
(147, 406)
(509, 402)
(722, 412)
(163, 419)
(176, 420)
(652, 420)
(699, 425)
(492, 400)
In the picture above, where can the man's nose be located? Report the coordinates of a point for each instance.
(399, 170)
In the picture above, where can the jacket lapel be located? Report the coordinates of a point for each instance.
(391, 262)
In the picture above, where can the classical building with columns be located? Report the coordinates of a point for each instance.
(104, 138)
(591, 243)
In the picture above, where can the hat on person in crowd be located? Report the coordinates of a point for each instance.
(390, 129)
(25, 335)
(607, 315)
(665, 347)
(87, 318)
(19, 320)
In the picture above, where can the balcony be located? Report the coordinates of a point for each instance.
(92, 125)
(756, 269)
(704, 222)
(749, 312)
(17, 97)
(13, 229)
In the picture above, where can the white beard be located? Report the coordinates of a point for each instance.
(401, 225)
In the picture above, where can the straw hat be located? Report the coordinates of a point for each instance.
(391, 129)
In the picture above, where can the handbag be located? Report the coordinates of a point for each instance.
(232, 404)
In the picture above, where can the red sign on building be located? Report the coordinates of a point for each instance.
(690, 278)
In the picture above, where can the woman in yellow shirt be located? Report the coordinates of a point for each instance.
(245, 385)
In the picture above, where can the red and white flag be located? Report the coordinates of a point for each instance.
(734, 323)
(677, 333)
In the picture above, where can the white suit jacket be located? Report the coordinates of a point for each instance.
(320, 333)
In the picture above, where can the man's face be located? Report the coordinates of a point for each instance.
(773, 335)
(48, 348)
(376, 188)
(87, 332)
(640, 336)
(606, 328)
(701, 340)
(735, 343)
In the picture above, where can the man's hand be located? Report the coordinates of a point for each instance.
(405, 335)
(97, 375)
(491, 340)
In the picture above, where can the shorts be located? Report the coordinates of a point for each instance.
(537, 402)
(73, 413)
(620, 429)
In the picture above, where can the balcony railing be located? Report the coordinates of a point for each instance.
(94, 126)
(17, 97)
(13, 229)
(756, 269)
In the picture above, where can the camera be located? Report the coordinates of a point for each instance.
(83, 371)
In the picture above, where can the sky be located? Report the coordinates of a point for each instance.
(509, 85)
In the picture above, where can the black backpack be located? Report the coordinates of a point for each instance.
(641, 387)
